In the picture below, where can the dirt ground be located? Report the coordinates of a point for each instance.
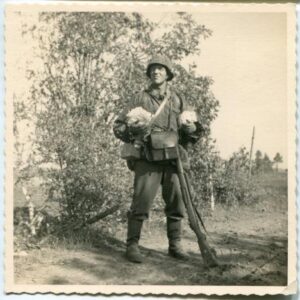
(251, 246)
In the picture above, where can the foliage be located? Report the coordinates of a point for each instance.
(205, 165)
(263, 164)
(277, 160)
(233, 183)
(258, 161)
(93, 64)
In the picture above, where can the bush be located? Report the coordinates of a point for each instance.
(228, 180)
(233, 182)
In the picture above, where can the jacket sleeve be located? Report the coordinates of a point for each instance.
(120, 128)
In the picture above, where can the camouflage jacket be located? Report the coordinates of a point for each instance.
(150, 100)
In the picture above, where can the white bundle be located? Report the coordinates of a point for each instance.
(138, 117)
(187, 117)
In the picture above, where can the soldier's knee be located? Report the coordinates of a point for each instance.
(175, 216)
(137, 216)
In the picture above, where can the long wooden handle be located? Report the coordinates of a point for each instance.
(208, 254)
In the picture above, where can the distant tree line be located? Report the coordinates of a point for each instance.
(263, 163)
(233, 183)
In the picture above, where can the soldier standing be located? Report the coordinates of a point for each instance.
(156, 167)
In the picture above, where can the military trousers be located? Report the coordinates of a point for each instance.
(148, 178)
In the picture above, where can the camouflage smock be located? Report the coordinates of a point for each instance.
(150, 100)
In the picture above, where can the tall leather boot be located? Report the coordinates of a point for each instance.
(134, 229)
(174, 236)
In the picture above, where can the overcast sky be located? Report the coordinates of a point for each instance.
(246, 57)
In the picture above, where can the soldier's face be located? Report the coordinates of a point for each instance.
(158, 74)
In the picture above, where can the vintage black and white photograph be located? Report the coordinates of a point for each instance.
(150, 148)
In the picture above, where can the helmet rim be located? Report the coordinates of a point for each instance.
(163, 61)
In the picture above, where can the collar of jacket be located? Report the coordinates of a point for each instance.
(155, 93)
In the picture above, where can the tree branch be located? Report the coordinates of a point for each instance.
(98, 217)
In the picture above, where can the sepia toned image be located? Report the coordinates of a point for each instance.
(150, 148)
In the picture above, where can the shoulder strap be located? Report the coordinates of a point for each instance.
(161, 107)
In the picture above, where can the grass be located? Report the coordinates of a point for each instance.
(275, 181)
(273, 191)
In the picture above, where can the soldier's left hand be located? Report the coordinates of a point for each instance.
(189, 127)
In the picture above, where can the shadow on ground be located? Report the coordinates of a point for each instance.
(244, 260)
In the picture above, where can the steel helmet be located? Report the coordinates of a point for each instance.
(161, 60)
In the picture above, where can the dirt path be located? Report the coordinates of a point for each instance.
(252, 244)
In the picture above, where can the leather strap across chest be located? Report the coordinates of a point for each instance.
(160, 109)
